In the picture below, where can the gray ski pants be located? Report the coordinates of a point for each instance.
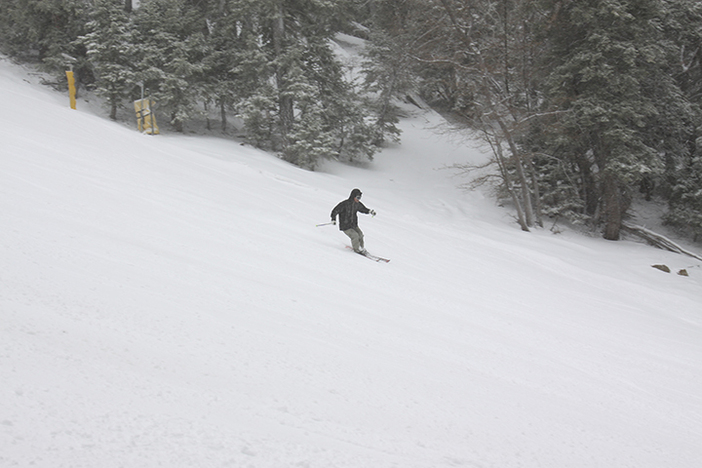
(356, 236)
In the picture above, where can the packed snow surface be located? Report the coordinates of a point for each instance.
(169, 302)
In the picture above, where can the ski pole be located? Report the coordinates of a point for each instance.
(324, 224)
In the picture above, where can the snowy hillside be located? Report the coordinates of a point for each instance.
(168, 302)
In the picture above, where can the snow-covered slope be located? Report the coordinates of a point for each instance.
(168, 302)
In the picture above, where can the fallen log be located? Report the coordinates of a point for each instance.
(658, 240)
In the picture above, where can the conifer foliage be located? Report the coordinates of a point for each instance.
(611, 82)
(110, 50)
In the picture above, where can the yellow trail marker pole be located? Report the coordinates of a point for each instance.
(71, 88)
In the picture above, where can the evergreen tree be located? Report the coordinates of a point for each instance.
(171, 49)
(289, 74)
(682, 177)
(44, 27)
(608, 80)
(46, 30)
(686, 200)
(111, 52)
(389, 74)
(236, 66)
(389, 62)
(329, 120)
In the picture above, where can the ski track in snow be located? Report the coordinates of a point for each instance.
(168, 301)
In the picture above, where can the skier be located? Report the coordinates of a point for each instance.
(348, 219)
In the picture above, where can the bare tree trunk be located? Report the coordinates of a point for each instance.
(612, 208)
(223, 114)
(526, 196)
(537, 194)
(497, 148)
(208, 124)
(589, 192)
(113, 108)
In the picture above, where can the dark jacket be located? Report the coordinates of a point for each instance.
(347, 210)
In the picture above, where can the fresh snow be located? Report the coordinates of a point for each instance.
(168, 302)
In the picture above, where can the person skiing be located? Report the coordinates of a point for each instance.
(348, 219)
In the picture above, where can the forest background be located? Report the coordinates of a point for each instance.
(585, 105)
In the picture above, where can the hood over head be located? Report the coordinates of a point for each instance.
(355, 193)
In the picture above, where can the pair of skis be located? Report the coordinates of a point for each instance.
(365, 253)
(370, 256)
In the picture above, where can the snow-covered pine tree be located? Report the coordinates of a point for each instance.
(111, 52)
(685, 211)
(259, 111)
(607, 78)
(681, 182)
(44, 28)
(45, 31)
(329, 104)
(227, 45)
(389, 75)
(285, 61)
(171, 47)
